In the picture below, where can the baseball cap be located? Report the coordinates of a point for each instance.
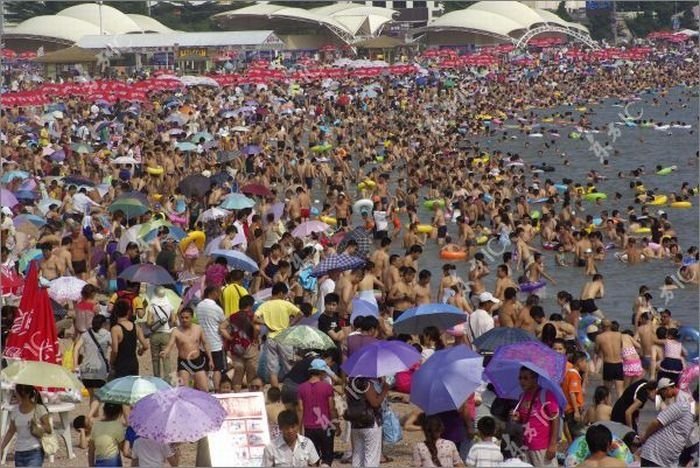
(665, 382)
(488, 297)
(320, 365)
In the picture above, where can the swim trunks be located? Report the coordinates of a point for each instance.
(198, 364)
(588, 306)
(613, 371)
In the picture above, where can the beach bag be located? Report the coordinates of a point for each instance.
(49, 441)
(359, 413)
(391, 426)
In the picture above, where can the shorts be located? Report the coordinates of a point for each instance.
(198, 364)
(342, 222)
(79, 267)
(379, 235)
(279, 357)
(93, 383)
(575, 428)
(588, 306)
(305, 212)
(646, 362)
(441, 232)
(613, 371)
(580, 262)
(309, 182)
(219, 358)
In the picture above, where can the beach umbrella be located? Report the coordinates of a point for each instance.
(362, 308)
(179, 414)
(309, 227)
(381, 359)
(195, 185)
(198, 136)
(277, 210)
(153, 225)
(250, 150)
(176, 118)
(304, 337)
(12, 175)
(504, 368)
(212, 214)
(147, 273)
(131, 207)
(81, 148)
(363, 239)
(79, 181)
(29, 218)
(40, 374)
(237, 201)
(66, 288)
(128, 390)
(500, 336)
(236, 260)
(7, 198)
(27, 195)
(32, 336)
(256, 189)
(58, 156)
(341, 262)
(11, 282)
(227, 156)
(186, 146)
(27, 257)
(446, 379)
(124, 160)
(442, 316)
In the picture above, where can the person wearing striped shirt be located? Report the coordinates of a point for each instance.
(487, 452)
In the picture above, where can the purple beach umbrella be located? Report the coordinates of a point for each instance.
(380, 359)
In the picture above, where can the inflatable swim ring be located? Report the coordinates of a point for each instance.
(328, 220)
(432, 204)
(640, 189)
(363, 205)
(379, 159)
(575, 135)
(666, 170)
(155, 171)
(424, 228)
(538, 200)
(578, 451)
(642, 230)
(690, 337)
(582, 109)
(179, 220)
(535, 214)
(448, 255)
(561, 187)
(689, 378)
(595, 196)
(658, 200)
(367, 184)
(532, 286)
(198, 237)
(681, 204)
(481, 240)
(581, 334)
(487, 198)
(545, 168)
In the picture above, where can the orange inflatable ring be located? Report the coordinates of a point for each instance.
(449, 255)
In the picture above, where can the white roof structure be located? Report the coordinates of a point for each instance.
(71, 24)
(358, 19)
(166, 40)
(148, 24)
(47, 26)
(506, 20)
(113, 20)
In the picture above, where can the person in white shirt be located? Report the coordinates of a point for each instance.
(82, 203)
(160, 319)
(291, 449)
(147, 452)
(480, 321)
(210, 315)
(326, 286)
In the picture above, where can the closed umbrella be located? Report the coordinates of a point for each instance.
(308, 228)
(178, 414)
(500, 336)
(128, 390)
(304, 337)
(147, 273)
(446, 379)
(237, 260)
(342, 262)
(442, 316)
(380, 359)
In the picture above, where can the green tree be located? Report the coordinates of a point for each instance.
(688, 20)
(600, 24)
(562, 13)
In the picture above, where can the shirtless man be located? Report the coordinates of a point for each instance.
(525, 320)
(634, 253)
(304, 204)
(608, 345)
(523, 250)
(80, 252)
(342, 210)
(64, 257)
(380, 258)
(503, 281)
(51, 266)
(477, 271)
(370, 282)
(592, 290)
(423, 287)
(646, 335)
(403, 293)
(599, 438)
(535, 271)
(412, 256)
(191, 362)
(510, 307)
(441, 225)
(346, 288)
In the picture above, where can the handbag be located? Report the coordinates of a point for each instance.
(391, 426)
(48, 440)
(155, 326)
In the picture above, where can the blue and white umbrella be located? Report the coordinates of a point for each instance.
(237, 201)
(186, 146)
(341, 262)
(237, 260)
(442, 316)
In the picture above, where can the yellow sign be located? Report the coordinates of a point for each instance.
(192, 52)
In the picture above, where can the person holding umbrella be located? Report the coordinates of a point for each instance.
(538, 412)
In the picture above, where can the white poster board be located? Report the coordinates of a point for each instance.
(244, 433)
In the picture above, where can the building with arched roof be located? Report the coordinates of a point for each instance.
(490, 22)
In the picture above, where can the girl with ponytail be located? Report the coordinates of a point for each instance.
(435, 451)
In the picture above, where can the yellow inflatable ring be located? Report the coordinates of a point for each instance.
(481, 240)
(642, 230)
(424, 228)
(448, 255)
(328, 220)
(198, 237)
(156, 171)
(658, 200)
(681, 204)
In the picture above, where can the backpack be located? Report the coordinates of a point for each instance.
(359, 413)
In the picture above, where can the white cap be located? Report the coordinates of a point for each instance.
(488, 297)
(664, 382)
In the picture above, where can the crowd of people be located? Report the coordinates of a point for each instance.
(127, 190)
